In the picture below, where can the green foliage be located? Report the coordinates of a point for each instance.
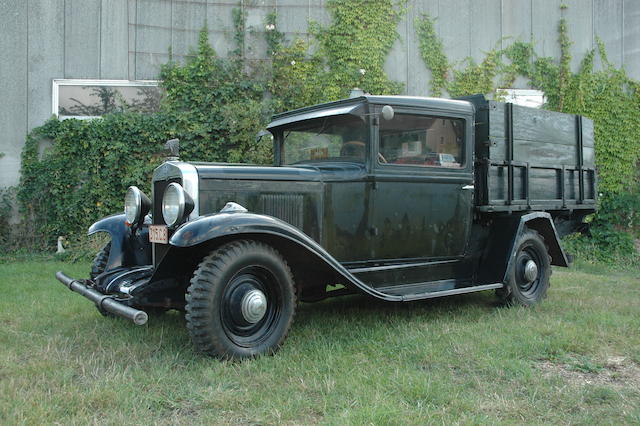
(432, 53)
(6, 201)
(349, 53)
(214, 106)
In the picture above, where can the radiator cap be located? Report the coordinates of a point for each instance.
(232, 207)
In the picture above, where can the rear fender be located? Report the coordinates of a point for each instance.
(501, 248)
(128, 247)
(206, 230)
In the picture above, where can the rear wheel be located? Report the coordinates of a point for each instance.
(100, 261)
(241, 301)
(528, 276)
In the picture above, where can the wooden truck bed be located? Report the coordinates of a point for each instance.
(532, 159)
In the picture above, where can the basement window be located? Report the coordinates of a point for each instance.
(85, 99)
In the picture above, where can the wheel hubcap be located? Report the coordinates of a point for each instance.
(253, 306)
(530, 271)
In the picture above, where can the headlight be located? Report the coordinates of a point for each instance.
(176, 204)
(136, 205)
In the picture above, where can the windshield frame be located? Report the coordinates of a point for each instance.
(280, 132)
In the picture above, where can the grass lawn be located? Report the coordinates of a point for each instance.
(462, 359)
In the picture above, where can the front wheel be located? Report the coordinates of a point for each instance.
(241, 301)
(528, 276)
(100, 261)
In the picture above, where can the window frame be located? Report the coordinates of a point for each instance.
(439, 114)
(279, 139)
(57, 82)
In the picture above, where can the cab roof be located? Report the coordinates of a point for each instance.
(352, 105)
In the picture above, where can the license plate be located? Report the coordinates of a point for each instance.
(158, 234)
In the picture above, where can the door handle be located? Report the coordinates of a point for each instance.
(468, 187)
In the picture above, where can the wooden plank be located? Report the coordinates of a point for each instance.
(540, 153)
(533, 124)
(544, 185)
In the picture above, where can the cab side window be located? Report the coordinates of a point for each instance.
(420, 140)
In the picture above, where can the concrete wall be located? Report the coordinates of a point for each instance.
(128, 39)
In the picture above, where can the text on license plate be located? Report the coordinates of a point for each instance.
(158, 234)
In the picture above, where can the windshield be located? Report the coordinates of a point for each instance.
(335, 138)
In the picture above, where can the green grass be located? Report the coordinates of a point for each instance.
(573, 359)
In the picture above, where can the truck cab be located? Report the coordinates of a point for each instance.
(394, 197)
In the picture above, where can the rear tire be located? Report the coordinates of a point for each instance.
(528, 276)
(100, 261)
(241, 301)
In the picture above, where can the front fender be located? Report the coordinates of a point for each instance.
(128, 248)
(220, 225)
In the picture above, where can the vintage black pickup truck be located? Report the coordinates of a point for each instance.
(399, 198)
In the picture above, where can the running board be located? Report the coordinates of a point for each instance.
(441, 293)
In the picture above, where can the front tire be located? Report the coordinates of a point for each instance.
(100, 261)
(241, 301)
(528, 277)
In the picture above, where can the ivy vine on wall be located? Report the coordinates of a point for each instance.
(216, 105)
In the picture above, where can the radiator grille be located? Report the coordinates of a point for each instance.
(287, 207)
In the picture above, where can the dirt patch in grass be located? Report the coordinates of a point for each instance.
(615, 371)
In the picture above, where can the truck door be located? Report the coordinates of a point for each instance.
(421, 205)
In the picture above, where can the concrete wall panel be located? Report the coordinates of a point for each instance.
(82, 38)
(484, 27)
(455, 33)
(114, 36)
(396, 63)
(255, 44)
(607, 25)
(545, 21)
(579, 15)
(132, 19)
(220, 23)
(187, 21)
(153, 37)
(516, 21)
(418, 76)
(631, 40)
(13, 87)
(46, 42)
